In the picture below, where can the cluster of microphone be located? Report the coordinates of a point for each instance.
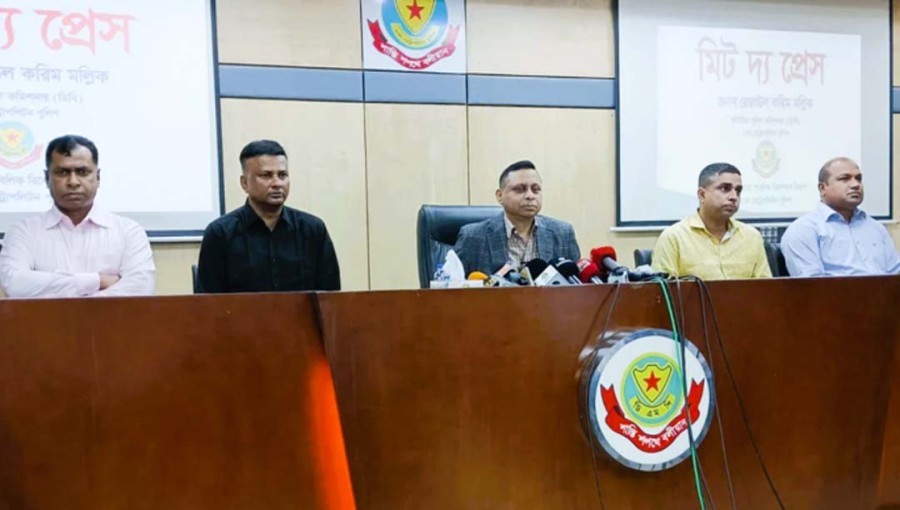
(602, 267)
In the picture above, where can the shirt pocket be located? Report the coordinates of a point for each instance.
(109, 263)
(872, 253)
(105, 255)
(294, 268)
(837, 251)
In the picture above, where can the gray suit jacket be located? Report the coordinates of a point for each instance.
(482, 246)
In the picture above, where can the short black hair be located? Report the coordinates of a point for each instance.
(713, 170)
(518, 165)
(825, 171)
(65, 144)
(261, 148)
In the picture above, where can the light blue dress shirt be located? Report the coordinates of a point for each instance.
(823, 243)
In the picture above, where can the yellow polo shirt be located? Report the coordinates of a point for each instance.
(687, 248)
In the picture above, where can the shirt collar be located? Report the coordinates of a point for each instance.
(824, 212)
(248, 215)
(54, 217)
(695, 221)
(510, 227)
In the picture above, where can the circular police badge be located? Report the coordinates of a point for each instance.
(640, 401)
(766, 161)
(17, 146)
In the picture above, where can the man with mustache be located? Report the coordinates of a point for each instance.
(518, 234)
(75, 249)
(838, 238)
(266, 246)
(710, 244)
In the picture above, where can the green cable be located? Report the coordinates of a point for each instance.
(671, 310)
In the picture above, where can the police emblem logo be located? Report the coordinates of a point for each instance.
(641, 401)
(17, 147)
(766, 161)
(416, 34)
(413, 19)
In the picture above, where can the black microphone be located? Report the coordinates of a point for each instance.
(544, 274)
(568, 269)
(532, 269)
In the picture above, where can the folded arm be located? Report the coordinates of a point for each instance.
(19, 279)
(137, 276)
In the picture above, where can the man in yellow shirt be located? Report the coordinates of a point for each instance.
(709, 244)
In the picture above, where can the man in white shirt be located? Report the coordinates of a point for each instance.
(74, 249)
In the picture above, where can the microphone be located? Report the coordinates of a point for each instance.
(605, 258)
(588, 272)
(499, 278)
(517, 278)
(527, 279)
(568, 270)
(645, 273)
(548, 275)
(532, 269)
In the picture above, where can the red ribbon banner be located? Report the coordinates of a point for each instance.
(31, 158)
(441, 52)
(650, 443)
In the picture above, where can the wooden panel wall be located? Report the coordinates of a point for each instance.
(527, 37)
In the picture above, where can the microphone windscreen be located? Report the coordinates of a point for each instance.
(536, 267)
(477, 275)
(566, 267)
(602, 252)
(588, 270)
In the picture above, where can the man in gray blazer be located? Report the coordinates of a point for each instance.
(519, 234)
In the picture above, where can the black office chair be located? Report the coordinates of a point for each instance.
(771, 234)
(776, 259)
(195, 279)
(437, 229)
(643, 257)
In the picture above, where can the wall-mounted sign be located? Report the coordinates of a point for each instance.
(414, 35)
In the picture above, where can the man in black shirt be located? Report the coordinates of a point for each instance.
(266, 246)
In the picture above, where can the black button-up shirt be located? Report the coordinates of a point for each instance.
(240, 254)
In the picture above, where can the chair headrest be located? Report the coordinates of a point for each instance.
(442, 222)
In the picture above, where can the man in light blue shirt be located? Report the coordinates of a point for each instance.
(838, 238)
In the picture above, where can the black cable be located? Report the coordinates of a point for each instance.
(587, 394)
(712, 371)
(679, 332)
(737, 393)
